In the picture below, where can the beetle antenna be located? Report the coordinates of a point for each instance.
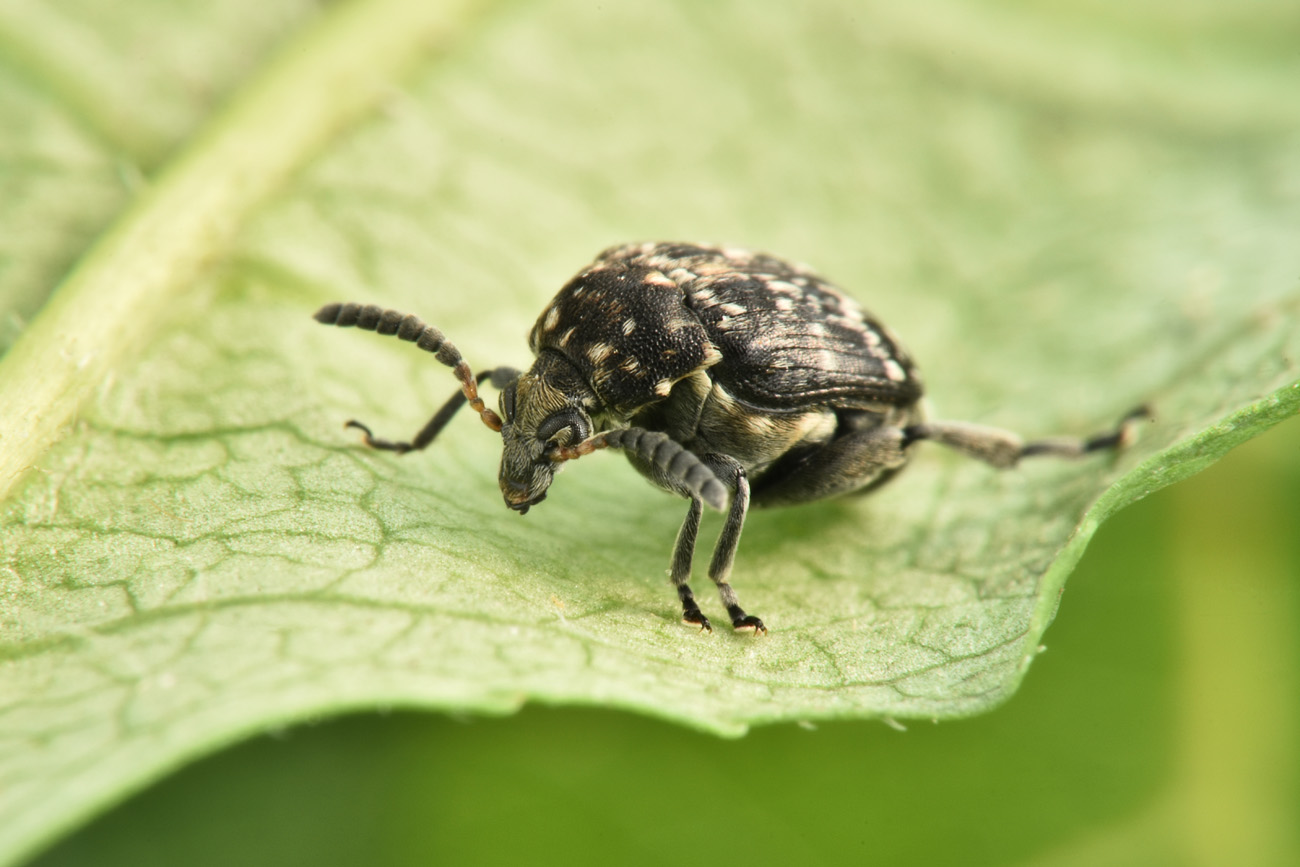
(671, 458)
(371, 317)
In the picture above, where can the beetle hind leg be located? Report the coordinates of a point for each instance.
(1004, 449)
(852, 463)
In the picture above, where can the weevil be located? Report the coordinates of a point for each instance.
(729, 377)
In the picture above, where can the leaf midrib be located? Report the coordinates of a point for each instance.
(319, 83)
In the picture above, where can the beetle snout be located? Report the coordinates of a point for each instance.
(522, 506)
(519, 495)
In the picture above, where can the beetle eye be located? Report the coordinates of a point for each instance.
(569, 422)
(508, 402)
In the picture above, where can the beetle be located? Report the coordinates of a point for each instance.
(724, 375)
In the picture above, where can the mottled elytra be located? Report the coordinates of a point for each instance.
(723, 375)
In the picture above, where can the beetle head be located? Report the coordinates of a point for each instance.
(544, 409)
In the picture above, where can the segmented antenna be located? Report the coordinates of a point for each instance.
(371, 317)
(663, 451)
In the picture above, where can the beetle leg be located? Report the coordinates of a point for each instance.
(683, 554)
(371, 317)
(501, 377)
(1003, 449)
(658, 457)
(854, 462)
(701, 479)
(724, 552)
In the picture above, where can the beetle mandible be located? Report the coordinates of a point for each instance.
(723, 374)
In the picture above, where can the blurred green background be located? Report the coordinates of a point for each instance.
(1159, 727)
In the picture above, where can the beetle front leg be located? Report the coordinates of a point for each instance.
(501, 377)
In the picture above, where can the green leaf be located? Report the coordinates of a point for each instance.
(1064, 216)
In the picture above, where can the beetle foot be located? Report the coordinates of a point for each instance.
(749, 621)
(697, 618)
(375, 443)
